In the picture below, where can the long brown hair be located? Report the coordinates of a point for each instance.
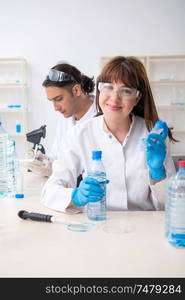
(132, 73)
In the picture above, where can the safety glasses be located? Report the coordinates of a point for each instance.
(124, 92)
(55, 75)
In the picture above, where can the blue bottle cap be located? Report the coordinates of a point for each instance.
(96, 154)
(19, 195)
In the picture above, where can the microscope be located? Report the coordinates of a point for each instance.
(35, 137)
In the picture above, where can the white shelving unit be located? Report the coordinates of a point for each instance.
(167, 79)
(13, 100)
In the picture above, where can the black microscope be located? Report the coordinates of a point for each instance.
(35, 137)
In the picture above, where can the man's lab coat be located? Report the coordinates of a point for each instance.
(63, 125)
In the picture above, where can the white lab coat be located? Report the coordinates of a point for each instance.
(64, 124)
(130, 186)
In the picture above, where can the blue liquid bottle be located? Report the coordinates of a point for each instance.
(18, 126)
(175, 208)
(97, 210)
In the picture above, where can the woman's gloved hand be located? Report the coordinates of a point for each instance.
(89, 190)
(155, 155)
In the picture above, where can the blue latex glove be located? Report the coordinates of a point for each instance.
(155, 154)
(89, 190)
(164, 133)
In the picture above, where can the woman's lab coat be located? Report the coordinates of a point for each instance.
(64, 124)
(130, 186)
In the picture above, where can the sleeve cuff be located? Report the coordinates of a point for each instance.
(57, 198)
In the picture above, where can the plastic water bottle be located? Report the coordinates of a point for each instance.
(19, 180)
(158, 128)
(7, 156)
(97, 210)
(175, 208)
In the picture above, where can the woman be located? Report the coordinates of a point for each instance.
(126, 112)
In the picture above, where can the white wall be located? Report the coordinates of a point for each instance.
(81, 31)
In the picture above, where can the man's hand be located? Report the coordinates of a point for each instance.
(39, 163)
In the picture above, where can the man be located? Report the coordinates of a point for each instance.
(70, 91)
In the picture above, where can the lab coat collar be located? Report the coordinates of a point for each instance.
(91, 112)
(107, 131)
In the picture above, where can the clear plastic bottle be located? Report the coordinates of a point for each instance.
(175, 208)
(158, 128)
(97, 210)
(7, 156)
(19, 180)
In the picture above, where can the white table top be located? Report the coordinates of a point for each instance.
(37, 249)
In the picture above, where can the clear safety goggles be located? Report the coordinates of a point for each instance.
(55, 75)
(123, 92)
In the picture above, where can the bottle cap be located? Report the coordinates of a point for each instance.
(181, 163)
(96, 154)
(19, 195)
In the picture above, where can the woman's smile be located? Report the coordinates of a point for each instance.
(113, 107)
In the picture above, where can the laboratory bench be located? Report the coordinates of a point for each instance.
(127, 244)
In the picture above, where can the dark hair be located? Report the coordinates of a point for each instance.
(87, 83)
(132, 73)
